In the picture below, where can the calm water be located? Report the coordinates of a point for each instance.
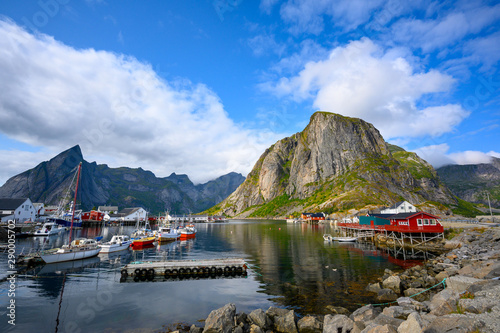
(293, 268)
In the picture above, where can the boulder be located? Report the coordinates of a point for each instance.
(414, 323)
(383, 319)
(260, 318)
(374, 287)
(393, 283)
(286, 323)
(460, 283)
(255, 329)
(337, 324)
(398, 312)
(454, 323)
(476, 305)
(195, 329)
(374, 328)
(386, 295)
(221, 320)
(417, 294)
(309, 324)
(444, 302)
(276, 312)
(365, 313)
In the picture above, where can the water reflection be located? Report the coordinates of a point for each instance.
(292, 267)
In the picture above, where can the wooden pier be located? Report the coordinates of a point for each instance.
(172, 269)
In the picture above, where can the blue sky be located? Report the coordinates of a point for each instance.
(204, 87)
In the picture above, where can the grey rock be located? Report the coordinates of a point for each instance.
(374, 328)
(374, 287)
(383, 319)
(286, 323)
(460, 283)
(386, 295)
(260, 318)
(365, 313)
(398, 312)
(453, 323)
(255, 329)
(309, 324)
(444, 302)
(337, 324)
(195, 329)
(393, 283)
(418, 292)
(414, 323)
(273, 312)
(476, 305)
(221, 320)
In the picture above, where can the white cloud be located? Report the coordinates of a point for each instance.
(438, 156)
(117, 109)
(362, 80)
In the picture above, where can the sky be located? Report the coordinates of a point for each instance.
(204, 87)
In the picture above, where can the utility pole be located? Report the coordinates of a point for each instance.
(489, 205)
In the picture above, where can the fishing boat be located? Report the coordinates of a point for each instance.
(117, 243)
(143, 242)
(166, 234)
(77, 249)
(48, 229)
(187, 232)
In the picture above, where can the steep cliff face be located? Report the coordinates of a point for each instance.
(472, 182)
(124, 187)
(335, 164)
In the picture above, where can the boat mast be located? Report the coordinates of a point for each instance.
(74, 202)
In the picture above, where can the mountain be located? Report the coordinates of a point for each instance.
(49, 181)
(336, 164)
(472, 182)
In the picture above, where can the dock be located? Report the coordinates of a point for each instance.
(179, 269)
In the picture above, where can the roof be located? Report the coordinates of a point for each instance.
(405, 216)
(110, 208)
(128, 211)
(314, 214)
(11, 204)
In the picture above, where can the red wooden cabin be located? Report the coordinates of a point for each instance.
(415, 222)
(93, 215)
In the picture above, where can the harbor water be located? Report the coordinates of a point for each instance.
(290, 266)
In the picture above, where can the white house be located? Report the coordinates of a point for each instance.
(19, 210)
(129, 214)
(400, 207)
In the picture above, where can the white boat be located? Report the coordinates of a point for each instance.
(78, 249)
(327, 237)
(49, 228)
(345, 239)
(117, 243)
(166, 233)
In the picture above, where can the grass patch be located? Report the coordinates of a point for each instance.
(449, 234)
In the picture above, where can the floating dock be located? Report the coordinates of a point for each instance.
(172, 269)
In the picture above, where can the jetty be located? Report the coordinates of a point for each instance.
(171, 269)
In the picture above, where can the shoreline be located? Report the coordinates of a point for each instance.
(458, 290)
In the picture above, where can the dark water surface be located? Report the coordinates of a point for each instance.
(293, 268)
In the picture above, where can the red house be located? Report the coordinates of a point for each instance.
(415, 222)
(313, 216)
(92, 216)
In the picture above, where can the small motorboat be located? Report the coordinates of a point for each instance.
(48, 229)
(117, 243)
(140, 243)
(345, 239)
(327, 237)
(166, 234)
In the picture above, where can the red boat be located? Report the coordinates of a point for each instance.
(142, 242)
(187, 232)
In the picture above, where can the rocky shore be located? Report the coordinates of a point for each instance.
(455, 292)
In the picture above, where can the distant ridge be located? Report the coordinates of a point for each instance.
(123, 187)
(336, 164)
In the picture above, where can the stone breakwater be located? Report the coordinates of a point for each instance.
(467, 300)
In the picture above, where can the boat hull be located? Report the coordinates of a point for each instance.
(143, 242)
(115, 247)
(70, 255)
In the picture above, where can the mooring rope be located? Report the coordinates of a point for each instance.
(423, 291)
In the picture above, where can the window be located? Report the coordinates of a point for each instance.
(419, 222)
(426, 222)
(433, 222)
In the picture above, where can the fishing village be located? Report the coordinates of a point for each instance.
(231, 166)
